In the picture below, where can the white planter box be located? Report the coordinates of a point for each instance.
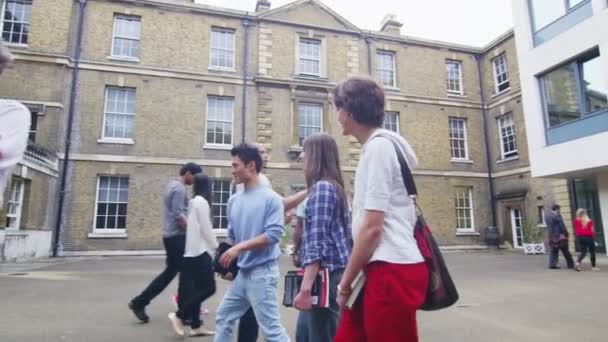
(534, 248)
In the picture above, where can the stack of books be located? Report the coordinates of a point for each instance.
(320, 289)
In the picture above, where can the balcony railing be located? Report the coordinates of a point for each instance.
(42, 156)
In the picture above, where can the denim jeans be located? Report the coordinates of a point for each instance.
(256, 288)
(302, 326)
(323, 323)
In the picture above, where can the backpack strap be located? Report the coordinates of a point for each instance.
(406, 172)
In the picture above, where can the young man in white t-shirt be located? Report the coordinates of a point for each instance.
(14, 130)
(383, 225)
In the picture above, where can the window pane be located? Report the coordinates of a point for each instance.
(219, 120)
(546, 11)
(100, 222)
(453, 77)
(561, 95)
(386, 68)
(121, 222)
(112, 202)
(595, 86)
(222, 48)
(310, 56)
(572, 3)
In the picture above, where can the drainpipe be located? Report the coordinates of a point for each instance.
(486, 139)
(246, 25)
(68, 136)
(368, 41)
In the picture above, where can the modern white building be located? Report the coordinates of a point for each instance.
(562, 48)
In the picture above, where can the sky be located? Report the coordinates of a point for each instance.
(468, 22)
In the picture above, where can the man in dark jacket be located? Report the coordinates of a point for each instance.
(558, 237)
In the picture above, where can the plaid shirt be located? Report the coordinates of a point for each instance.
(327, 236)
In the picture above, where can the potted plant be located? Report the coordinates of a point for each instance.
(532, 239)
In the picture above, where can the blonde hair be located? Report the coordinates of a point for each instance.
(581, 214)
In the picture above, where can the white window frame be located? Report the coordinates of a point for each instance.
(17, 184)
(115, 36)
(232, 52)
(517, 232)
(540, 211)
(222, 231)
(2, 20)
(388, 122)
(498, 73)
(393, 55)
(464, 139)
(310, 58)
(449, 78)
(503, 123)
(471, 208)
(231, 122)
(300, 125)
(118, 140)
(103, 231)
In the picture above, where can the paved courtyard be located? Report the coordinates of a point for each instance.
(505, 296)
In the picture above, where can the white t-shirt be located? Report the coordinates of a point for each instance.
(199, 234)
(14, 130)
(379, 186)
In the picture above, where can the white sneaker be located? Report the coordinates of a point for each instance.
(178, 325)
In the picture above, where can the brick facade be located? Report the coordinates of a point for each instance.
(172, 81)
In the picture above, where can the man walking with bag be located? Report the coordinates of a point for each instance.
(174, 239)
(255, 226)
(558, 238)
(384, 217)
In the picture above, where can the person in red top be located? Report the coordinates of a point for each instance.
(586, 238)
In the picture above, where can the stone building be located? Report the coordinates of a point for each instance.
(160, 83)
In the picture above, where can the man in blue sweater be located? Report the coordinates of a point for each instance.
(255, 226)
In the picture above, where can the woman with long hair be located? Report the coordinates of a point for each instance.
(197, 275)
(586, 238)
(326, 238)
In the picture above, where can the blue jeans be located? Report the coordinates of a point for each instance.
(323, 323)
(302, 326)
(256, 288)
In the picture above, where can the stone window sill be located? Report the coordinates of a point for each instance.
(463, 161)
(117, 235)
(214, 68)
(116, 141)
(500, 93)
(124, 59)
(16, 45)
(217, 147)
(456, 95)
(500, 161)
(466, 233)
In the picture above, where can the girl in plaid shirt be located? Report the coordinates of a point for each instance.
(326, 239)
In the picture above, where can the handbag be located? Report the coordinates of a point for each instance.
(217, 267)
(441, 291)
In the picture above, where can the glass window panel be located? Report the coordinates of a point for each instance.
(545, 12)
(121, 222)
(595, 85)
(561, 98)
(100, 222)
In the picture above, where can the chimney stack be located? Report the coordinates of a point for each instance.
(262, 6)
(390, 25)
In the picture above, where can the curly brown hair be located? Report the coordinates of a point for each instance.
(363, 98)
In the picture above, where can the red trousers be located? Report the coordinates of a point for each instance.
(387, 310)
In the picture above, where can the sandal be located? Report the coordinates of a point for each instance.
(201, 332)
